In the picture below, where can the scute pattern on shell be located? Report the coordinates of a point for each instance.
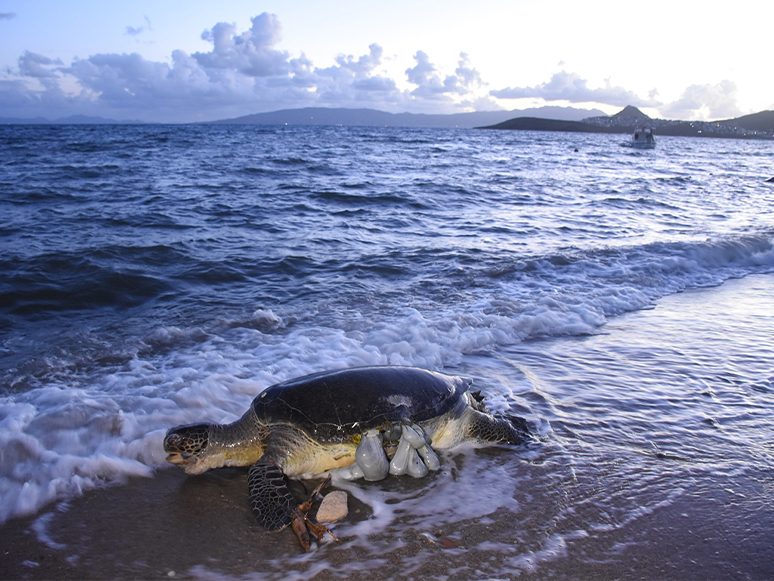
(332, 405)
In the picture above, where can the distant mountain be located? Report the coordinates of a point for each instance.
(86, 120)
(375, 118)
(71, 120)
(20, 121)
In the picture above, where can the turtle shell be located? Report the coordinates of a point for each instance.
(334, 404)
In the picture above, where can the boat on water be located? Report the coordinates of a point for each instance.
(642, 138)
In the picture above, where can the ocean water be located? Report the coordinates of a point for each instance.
(619, 300)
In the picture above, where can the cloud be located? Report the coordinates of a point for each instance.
(132, 31)
(349, 68)
(717, 101)
(354, 81)
(7, 15)
(365, 64)
(565, 86)
(116, 78)
(37, 66)
(379, 84)
(431, 86)
(468, 77)
(251, 53)
(135, 31)
(424, 71)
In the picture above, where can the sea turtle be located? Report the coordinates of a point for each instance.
(361, 422)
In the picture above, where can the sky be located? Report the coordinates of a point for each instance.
(186, 61)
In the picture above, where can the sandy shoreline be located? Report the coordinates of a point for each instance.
(173, 526)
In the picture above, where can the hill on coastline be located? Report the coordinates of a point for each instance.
(537, 124)
(763, 121)
(755, 126)
(631, 114)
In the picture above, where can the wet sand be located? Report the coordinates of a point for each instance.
(173, 526)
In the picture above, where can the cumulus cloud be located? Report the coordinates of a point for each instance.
(355, 80)
(378, 84)
(37, 66)
(430, 85)
(252, 53)
(349, 68)
(468, 76)
(424, 71)
(118, 77)
(363, 65)
(717, 101)
(565, 86)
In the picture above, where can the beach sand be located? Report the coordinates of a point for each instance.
(174, 527)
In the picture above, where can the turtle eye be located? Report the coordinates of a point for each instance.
(172, 441)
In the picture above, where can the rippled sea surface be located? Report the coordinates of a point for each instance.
(621, 301)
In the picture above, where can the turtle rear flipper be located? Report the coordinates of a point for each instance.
(270, 499)
(497, 428)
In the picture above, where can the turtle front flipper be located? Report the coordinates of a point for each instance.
(276, 508)
(270, 499)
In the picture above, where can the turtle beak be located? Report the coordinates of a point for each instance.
(177, 459)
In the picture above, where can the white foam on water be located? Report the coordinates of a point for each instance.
(553, 548)
(40, 527)
(60, 443)
(466, 488)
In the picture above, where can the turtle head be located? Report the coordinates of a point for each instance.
(199, 447)
(187, 447)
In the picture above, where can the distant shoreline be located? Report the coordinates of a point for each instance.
(681, 129)
(758, 126)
